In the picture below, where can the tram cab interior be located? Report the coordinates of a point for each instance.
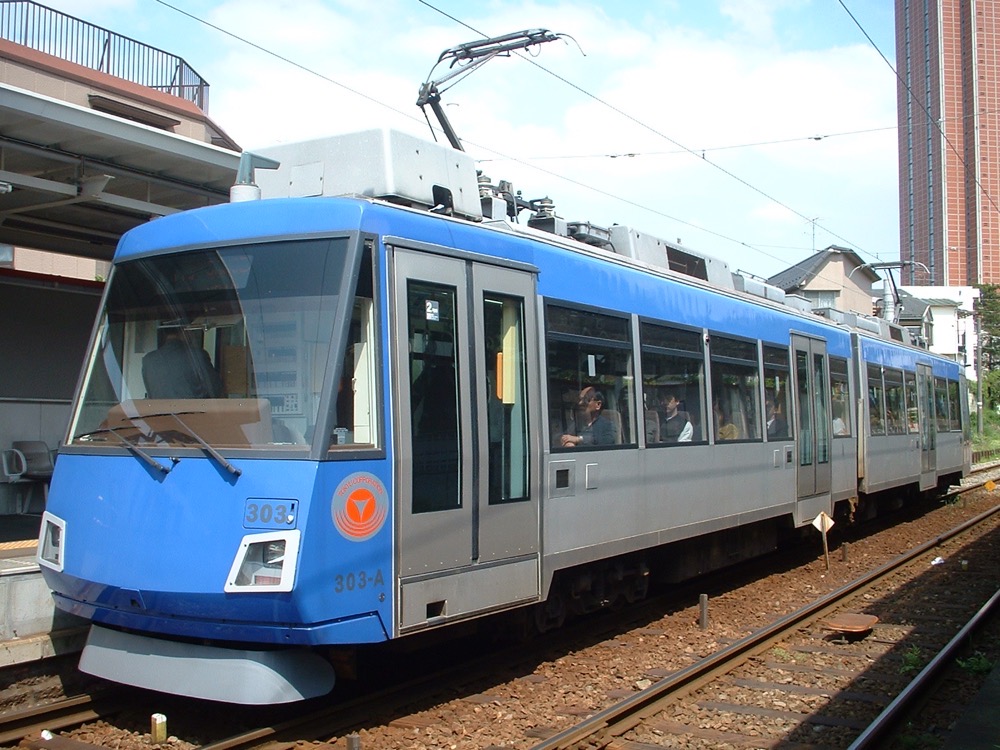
(245, 335)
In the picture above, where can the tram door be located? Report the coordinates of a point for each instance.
(465, 367)
(928, 427)
(815, 430)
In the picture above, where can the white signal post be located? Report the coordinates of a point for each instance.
(824, 523)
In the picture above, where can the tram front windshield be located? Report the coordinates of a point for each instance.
(227, 347)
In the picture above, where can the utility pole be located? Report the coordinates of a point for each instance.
(979, 374)
(977, 361)
(889, 283)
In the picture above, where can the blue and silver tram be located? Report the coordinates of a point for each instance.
(312, 422)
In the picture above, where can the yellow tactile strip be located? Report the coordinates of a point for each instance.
(18, 545)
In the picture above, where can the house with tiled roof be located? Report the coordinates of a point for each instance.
(835, 277)
(943, 318)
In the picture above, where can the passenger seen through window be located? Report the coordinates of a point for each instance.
(588, 354)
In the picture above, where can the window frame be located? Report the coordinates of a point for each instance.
(942, 419)
(623, 389)
(787, 403)
(752, 369)
(894, 394)
(955, 405)
(912, 393)
(651, 393)
(840, 378)
(368, 263)
(870, 368)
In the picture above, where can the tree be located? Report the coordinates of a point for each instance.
(991, 390)
(988, 310)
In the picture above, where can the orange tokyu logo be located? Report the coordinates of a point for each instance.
(360, 506)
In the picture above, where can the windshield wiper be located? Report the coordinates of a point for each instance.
(223, 461)
(139, 452)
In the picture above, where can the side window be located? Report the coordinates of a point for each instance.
(590, 378)
(876, 406)
(941, 404)
(356, 423)
(673, 379)
(821, 380)
(840, 397)
(735, 389)
(895, 405)
(955, 406)
(777, 394)
(506, 398)
(912, 407)
(434, 396)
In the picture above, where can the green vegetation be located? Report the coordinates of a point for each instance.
(977, 664)
(911, 740)
(912, 660)
(988, 311)
(990, 439)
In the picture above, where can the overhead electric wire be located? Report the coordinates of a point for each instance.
(656, 132)
(536, 167)
(930, 118)
(706, 149)
(735, 146)
(284, 59)
(635, 120)
(499, 154)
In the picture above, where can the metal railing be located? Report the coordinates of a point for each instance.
(985, 456)
(46, 30)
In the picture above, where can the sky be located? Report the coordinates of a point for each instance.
(756, 131)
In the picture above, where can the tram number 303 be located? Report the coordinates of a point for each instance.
(269, 514)
(357, 581)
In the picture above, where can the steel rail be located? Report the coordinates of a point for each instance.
(69, 712)
(890, 717)
(621, 717)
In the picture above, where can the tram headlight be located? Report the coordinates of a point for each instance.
(274, 552)
(265, 562)
(51, 541)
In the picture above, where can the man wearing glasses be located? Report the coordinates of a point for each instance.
(593, 427)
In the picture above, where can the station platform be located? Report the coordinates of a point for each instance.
(30, 626)
(979, 726)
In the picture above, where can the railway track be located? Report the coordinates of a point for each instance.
(772, 670)
(68, 712)
(805, 681)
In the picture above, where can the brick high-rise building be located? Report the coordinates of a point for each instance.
(948, 60)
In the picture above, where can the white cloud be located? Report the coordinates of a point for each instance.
(660, 79)
(701, 92)
(756, 17)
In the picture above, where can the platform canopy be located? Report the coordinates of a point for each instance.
(73, 180)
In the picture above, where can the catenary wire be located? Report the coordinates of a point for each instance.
(658, 133)
(930, 119)
(832, 282)
(536, 167)
(706, 149)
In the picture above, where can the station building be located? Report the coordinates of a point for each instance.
(91, 145)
